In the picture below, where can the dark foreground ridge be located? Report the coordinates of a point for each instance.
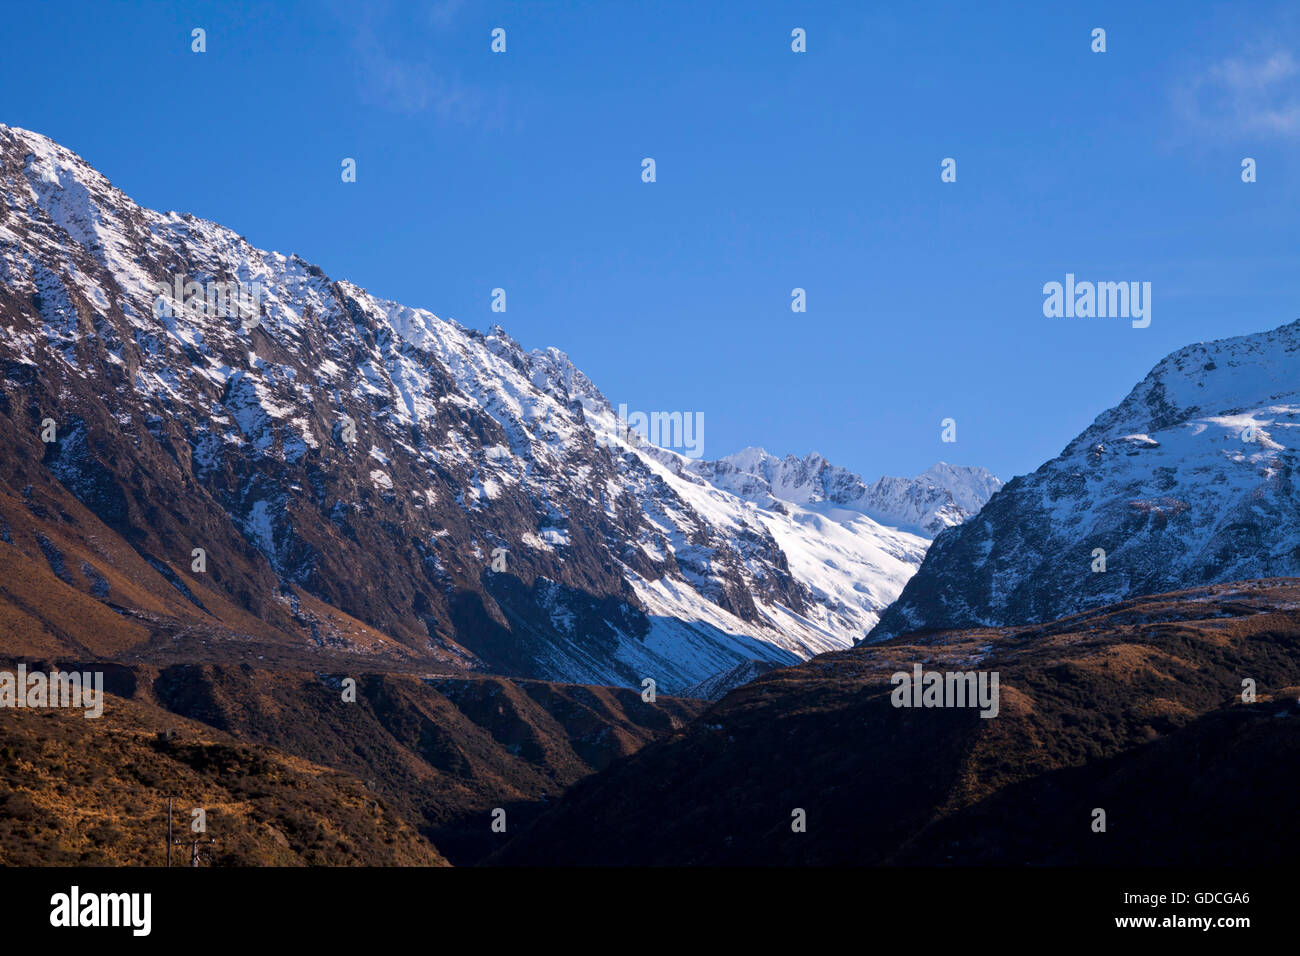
(1135, 709)
(289, 773)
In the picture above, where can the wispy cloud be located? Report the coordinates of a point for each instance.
(407, 85)
(392, 77)
(443, 12)
(1256, 92)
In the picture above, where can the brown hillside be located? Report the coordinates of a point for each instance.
(94, 792)
(440, 753)
(1134, 708)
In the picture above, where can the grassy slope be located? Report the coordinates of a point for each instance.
(94, 792)
(1133, 708)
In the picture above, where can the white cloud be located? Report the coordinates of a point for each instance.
(396, 71)
(1255, 93)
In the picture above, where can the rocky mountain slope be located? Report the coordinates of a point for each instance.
(722, 683)
(1191, 479)
(327, 469)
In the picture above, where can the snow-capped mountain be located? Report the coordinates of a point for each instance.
(1190, 480)
(321, 467)
(943, 496)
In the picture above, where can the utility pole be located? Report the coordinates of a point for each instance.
(193, 844)
(194, 849)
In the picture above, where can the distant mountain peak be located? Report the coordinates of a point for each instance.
(938, 498)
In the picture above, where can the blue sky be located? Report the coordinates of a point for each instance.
(775, 170)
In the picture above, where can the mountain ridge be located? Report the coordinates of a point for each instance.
(504, 520)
